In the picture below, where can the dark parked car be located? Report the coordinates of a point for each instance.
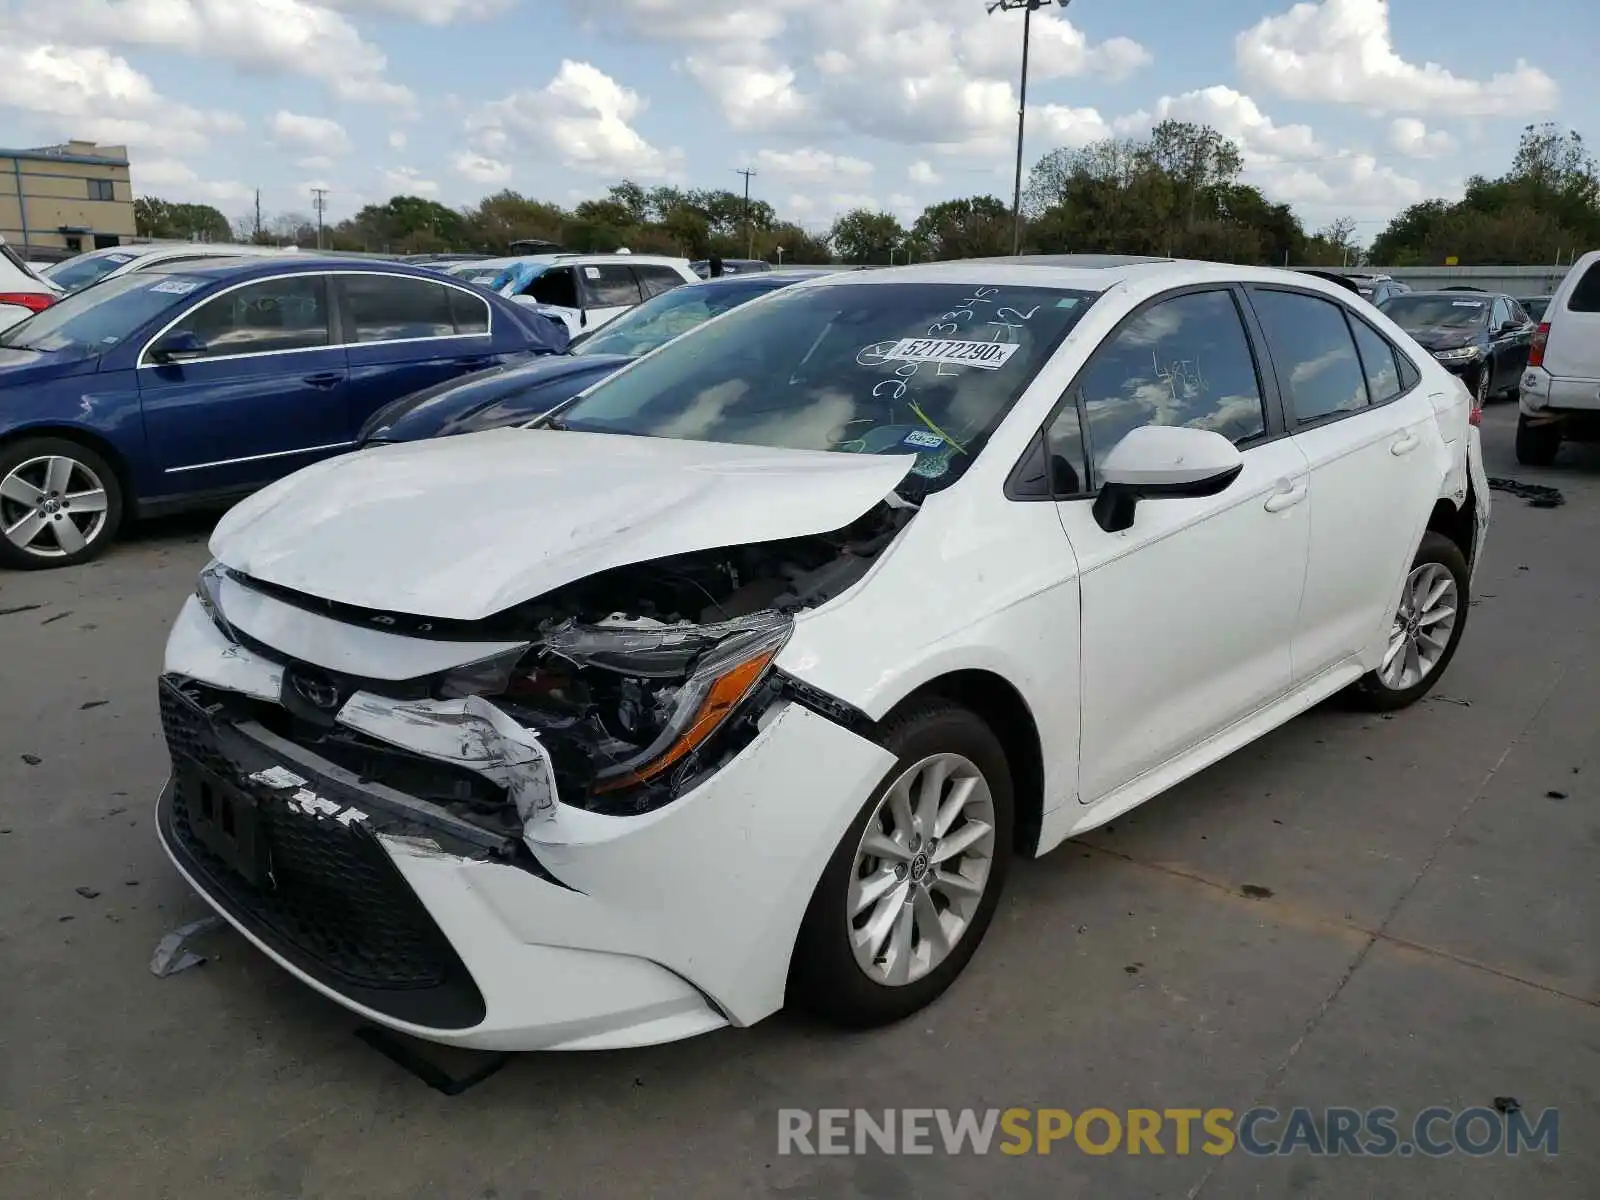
(1534, 306)
(512, 395)
(171, 389)
(731, 266)
(1481, 336)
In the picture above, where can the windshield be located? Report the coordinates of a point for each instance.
(93, 321)
(881, 368)
(483, 275)
(660, 319)
(1433, 312)
(78, 273)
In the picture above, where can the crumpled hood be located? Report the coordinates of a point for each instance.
(465, 527)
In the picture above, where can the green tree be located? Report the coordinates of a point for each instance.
(864, 236)
(157, 218)
(974, 227)
(508, 216)
(409, 225)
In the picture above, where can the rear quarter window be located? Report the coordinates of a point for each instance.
(1585, 297)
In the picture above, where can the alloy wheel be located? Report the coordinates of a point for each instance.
(1420, 635)
(921, 869)
(52, 506)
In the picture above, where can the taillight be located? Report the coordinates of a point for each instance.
(1536, 347)
(32, 301)
(1476, 416)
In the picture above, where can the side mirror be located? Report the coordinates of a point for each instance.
(583, 318)
(1511, 326)
(176, 347)
(1157, 462)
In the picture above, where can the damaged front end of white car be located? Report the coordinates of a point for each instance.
(325, 755)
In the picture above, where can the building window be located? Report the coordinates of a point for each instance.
(101, 189)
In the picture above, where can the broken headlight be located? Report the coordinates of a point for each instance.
(652, 693)
(206, 589)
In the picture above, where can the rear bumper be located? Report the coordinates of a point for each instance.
(579, 931)
(1545, 395)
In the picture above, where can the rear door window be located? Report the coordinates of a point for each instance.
(656, 280)
(608, 286)
(1585, 297)
(1318, 368)
(1378, 362)
(397, 308)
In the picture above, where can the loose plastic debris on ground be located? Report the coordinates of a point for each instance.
(172, 953)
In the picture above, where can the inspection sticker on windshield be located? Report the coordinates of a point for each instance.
(175, 287)
(1467, 303)
(922, 439)
(119, 259)
(987, 356)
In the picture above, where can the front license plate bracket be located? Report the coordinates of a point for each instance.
(227, 821)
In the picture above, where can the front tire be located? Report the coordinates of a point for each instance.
(911, 888)
(1427, 628)
(1537, 445)
(60, 504)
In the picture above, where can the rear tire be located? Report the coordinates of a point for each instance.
(840, 971)
(60, 504)
(1537, 445)
(1427, 628)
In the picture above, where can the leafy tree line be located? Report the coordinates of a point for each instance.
(1544, 210)
(1177, 191)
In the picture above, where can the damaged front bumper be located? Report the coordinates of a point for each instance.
(551, 927)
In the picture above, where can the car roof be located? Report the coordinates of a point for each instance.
(1078, 272)
(1463, 293)
(515, 260)
(294, 264)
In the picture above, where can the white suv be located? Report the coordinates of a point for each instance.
(22, 292)
(583, 291)
(1561, 386)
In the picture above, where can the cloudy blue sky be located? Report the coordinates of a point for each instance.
(1342, 107)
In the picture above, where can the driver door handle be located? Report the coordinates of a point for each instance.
(1287, 496)
(1405, 445)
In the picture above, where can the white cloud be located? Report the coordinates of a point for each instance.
(912, 73)
(172, 179)
(397, 139)
(1415, 140)
(1342, 51)
(811, 165)
(429, 12)
(480, 169)
(316, 162)
(319, 134)
(408, 182)
(922, 172)
(1235, 116)
(583, 117)
(287, 36)
(82, 85)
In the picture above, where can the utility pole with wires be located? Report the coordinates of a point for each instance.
(749, 226)
(1028, 8)
(319, 200)
(257, 234)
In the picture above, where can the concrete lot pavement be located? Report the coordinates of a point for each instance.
(1355, 911)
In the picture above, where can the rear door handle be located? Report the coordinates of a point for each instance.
(327, 379)
(1406, 444)
(1287, 496)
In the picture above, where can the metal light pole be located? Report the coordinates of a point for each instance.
(1027, 7)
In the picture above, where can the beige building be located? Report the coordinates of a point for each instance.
(57, 201)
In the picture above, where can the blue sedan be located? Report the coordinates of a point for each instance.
(517, 394)
(165, 390)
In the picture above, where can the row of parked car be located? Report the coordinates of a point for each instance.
(156, 378)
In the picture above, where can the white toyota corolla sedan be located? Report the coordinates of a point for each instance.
(743, 678)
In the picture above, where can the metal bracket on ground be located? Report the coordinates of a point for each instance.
(172, 952)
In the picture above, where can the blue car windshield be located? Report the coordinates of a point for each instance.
(96, 319)
(929, 369)
(660, 319)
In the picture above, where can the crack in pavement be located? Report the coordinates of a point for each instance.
(1276, 1075)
